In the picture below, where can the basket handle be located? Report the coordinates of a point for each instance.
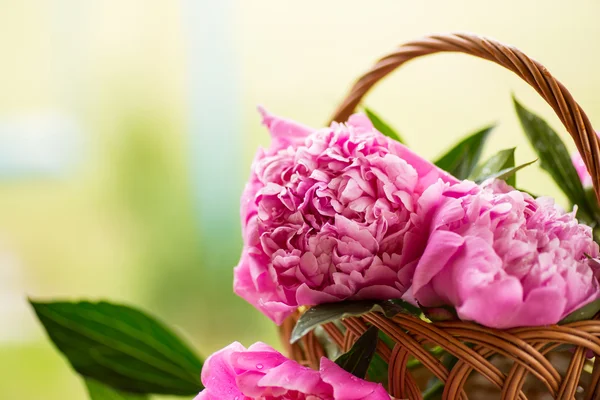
(556, 95)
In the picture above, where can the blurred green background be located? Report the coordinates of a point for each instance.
(127, 129)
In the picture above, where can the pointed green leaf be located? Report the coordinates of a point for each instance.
(461, 160)
(502, 160)
(99, 391)
(121, 347)
(358, 358)
(554, 157)
(330, 312)
(383, 126)
(583, 313)
(378, 370)
(505, 174)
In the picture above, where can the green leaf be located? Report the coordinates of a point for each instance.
(441, 313)
(554, 157)
(330, 312)
(121, 347)
(435, 387)
(99, 391)
(383, 126)
(505, 174)
(358, 358)
(434, 391)
(461, 160)
(378, 371)
(591, 220)
(414, 363)
(389, 342)
(502, 160)
(584, 313)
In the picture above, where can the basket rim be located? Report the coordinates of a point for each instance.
(570, 113)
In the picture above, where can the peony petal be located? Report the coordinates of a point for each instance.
(264, 300)
(581, 169)
(493, 305)
(441, 248)
(248, 382)
(347, 386)
(284, 132)
(428, 173)
(360, 122)
(218, 375)
(475, 266)
(256, 360)
(382, 292)
(292, 376)
(310, 297)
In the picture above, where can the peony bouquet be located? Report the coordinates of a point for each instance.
(346, 213)
(366, 255)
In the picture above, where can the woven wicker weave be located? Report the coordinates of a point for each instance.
(525, 352)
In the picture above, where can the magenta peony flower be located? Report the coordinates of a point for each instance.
(503, 258)
(329, 215)
(260, 372)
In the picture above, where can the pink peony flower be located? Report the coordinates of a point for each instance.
(260, 372)
(503, 258)
(581, 169)
(329, 215)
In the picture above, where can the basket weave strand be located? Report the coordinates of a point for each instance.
(556, 95)
(525, 347)
(474, 346)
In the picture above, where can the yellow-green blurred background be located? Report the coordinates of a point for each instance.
(127, 128)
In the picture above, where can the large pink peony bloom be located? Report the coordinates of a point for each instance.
(502, 258)
(329, 215)
(260, 372)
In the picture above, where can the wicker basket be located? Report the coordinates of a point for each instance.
(504, 359)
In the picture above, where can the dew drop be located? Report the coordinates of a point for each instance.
(259, 366)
